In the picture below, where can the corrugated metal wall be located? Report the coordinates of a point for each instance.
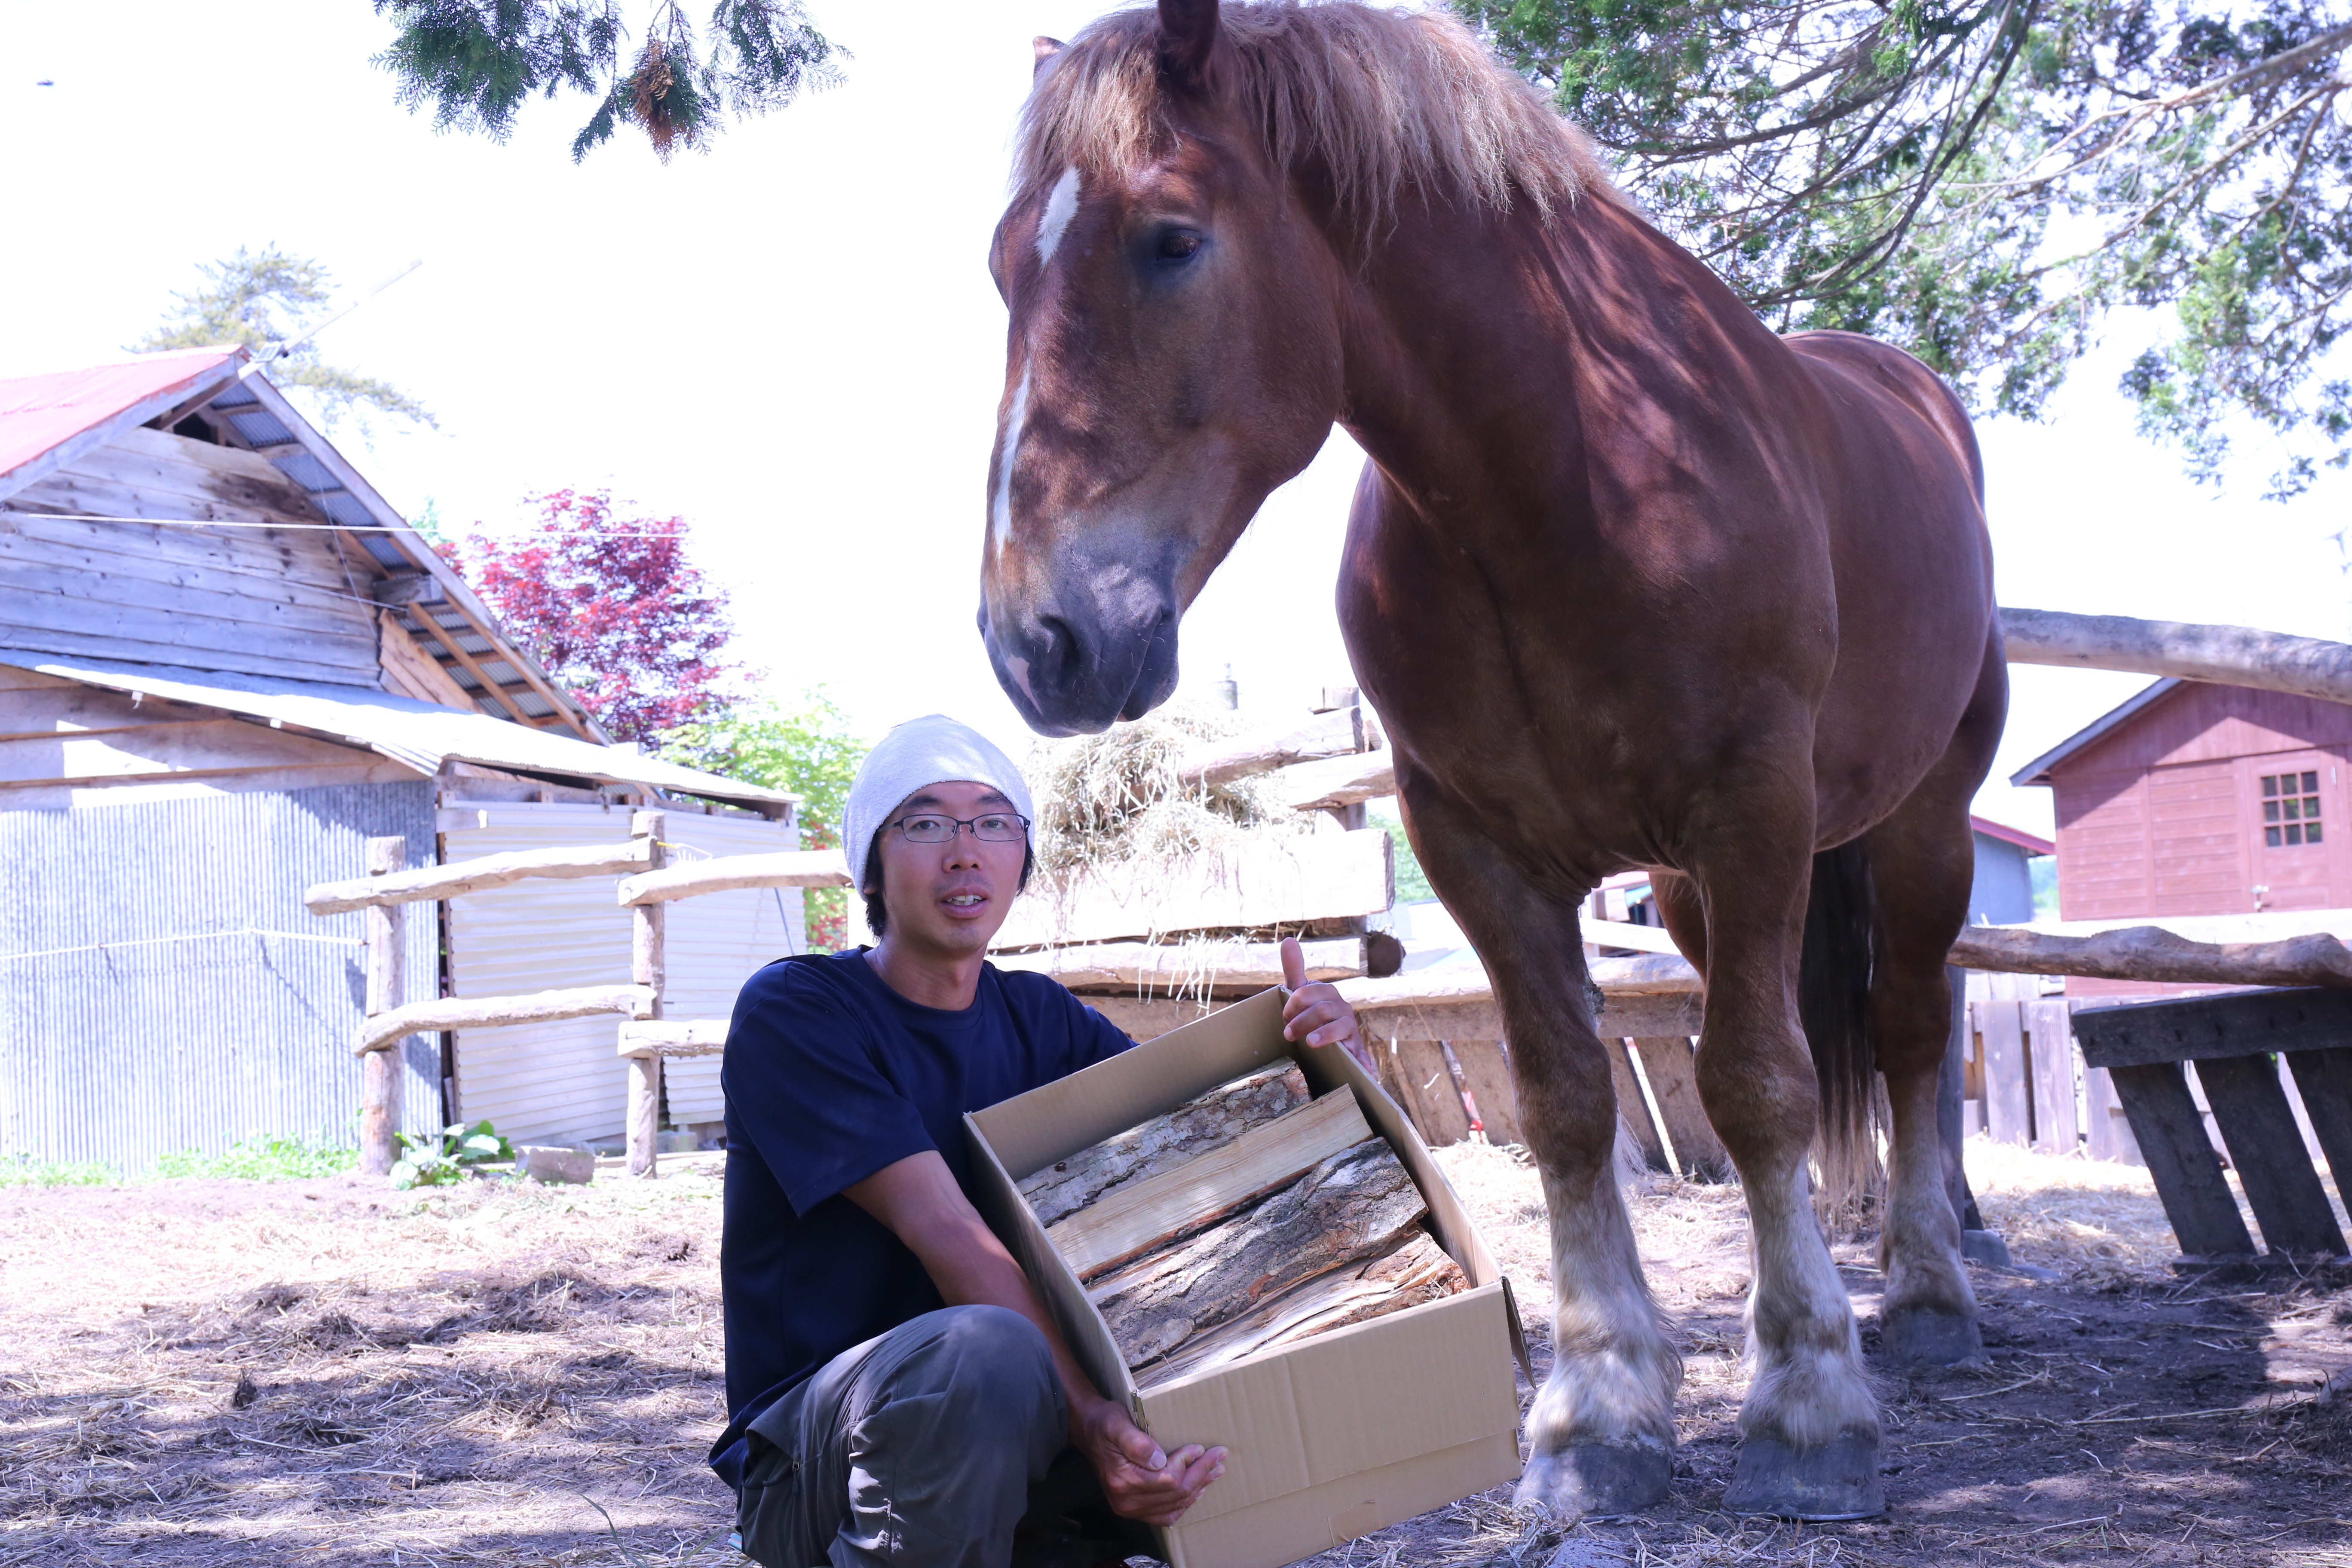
(561, 1082)
(139, 1014)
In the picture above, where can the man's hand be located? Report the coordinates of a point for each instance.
(1139, 1479)
(1315, 1014)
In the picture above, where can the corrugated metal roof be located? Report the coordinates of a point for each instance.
(423, 735)
(40, 416)
(562, 1082)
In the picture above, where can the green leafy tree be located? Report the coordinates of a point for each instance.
(258, 299)
(807, 746)
(477, 61)
(1985, 180)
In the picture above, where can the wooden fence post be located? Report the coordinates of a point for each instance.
(383, 1071)
(648, 961)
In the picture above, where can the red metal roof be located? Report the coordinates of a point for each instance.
(40, 412)
(2017, 835)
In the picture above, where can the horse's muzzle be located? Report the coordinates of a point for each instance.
(1071, 673)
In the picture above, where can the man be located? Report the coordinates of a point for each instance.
(898, 1392)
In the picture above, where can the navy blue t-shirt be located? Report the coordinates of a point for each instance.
(829, 1075)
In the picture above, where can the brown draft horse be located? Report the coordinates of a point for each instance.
(1633, 582)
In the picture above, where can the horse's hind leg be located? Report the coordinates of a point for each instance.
(1601, 1432)
(1810, 1436)
(1923, 862)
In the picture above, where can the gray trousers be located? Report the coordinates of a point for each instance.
(943, 1443)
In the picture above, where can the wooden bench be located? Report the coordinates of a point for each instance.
(2237, 1043)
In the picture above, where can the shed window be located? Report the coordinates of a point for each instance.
(2289, 809)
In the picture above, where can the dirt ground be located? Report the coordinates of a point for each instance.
(216, 1372)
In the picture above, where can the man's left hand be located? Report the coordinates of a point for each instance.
(1316, 1013)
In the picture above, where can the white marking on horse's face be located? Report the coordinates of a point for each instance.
(1060, 208)
(1001, 509)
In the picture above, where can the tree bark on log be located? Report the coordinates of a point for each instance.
(1415, 1272)
(2231, 656)
(2150, 953)
(1164, 1142)
(1352, 1206)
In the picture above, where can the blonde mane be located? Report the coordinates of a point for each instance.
(1382, 100)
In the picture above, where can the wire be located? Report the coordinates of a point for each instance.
(304, 527)
(193, 936)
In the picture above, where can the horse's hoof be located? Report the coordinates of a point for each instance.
(1927, 1336)
(1598, 1480)
(1837, 1480)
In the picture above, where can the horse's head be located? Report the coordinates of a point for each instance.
(1174, 356)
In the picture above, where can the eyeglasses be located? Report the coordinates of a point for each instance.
(997, 827)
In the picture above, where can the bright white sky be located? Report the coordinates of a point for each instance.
(792, 341)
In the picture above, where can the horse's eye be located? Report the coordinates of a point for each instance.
(1178, 245)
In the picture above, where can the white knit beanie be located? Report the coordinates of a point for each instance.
(920, 753)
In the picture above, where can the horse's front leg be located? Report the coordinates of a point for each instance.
(1810, 1437)
(1602, 1431)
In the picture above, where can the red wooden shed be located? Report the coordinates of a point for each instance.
(2196, 799)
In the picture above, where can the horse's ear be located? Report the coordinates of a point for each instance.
(1188, 32)
(1047, 49)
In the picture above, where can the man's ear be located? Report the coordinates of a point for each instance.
(1188, 34)
(1047, 49)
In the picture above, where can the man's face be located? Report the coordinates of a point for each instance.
(949, 899)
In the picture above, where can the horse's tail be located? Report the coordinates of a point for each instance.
(1833, 1002)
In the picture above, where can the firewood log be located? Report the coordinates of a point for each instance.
(1349, 1207)
(1165, 1142)
(1415, 1272)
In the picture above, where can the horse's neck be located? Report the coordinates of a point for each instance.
(1507, 350)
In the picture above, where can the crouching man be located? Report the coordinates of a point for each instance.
(897, 1391)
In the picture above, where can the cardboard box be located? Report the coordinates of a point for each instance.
(1331, 1438)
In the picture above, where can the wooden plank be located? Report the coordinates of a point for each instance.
(2323, 1079)
(2008, 1097)
(498, 1012)
(2108, 1134)
(410, 671)
(64, 708)
(479, 875)
(202, 557)
(2051, 1049)
(1331, 734)
(1285, 881)
(726, 873)
(1425, 1089)
(1487, 1070)
(193, 624)
(1138, 1217)
(275, 604)
(186, 749)
(1186, 967)
(674, 1037)
(2171, 1132)
(1671, 1067)
(2197, 1027)
(2266, 1147)
(1640, 1015)
(1633, 1107)
(1337, 781)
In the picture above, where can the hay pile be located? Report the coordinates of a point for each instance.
(1116, 797)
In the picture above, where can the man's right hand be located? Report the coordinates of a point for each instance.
(1139, 1479)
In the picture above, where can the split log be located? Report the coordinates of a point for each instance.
(1140, 1217)
(1416, 1272)
(726, 874)
(498, 1012)
(2150, 953)
(1352, 1206)
(1332, 734)
(1187, 967)
(476, 876)
(1164, 1142)
(2231, 656)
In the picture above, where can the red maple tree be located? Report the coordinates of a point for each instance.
(611, 607)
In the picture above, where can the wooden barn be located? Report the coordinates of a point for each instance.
(225, 663)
